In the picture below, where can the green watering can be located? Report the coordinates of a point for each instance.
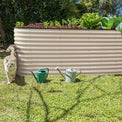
(41, 75)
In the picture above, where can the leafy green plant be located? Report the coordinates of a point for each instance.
(74, 21)
(51, 23)
(110, 22)
(80, 22)
(64, 22)
(116, 22)
(57, 23)
(119, 27)
(106, 24)
(91, 20)
(46, 23)
(69, 22)
(19, 24)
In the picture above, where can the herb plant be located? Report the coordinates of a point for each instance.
(64, 22)
(91, 20)
(51, 23)
(119, 27)
(46, 23)
(69, 22)
(74, 21)
(19, 24)
(80, 22)
(57, 23)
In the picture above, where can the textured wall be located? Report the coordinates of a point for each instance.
(91, 51)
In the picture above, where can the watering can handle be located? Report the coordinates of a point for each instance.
(46, 69)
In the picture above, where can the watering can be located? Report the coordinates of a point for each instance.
(70, 74)
(41, 75)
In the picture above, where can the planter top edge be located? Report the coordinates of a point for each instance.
(65, 29)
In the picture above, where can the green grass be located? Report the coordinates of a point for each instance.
(93, 99)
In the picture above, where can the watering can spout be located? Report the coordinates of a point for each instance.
(34, 76)
(60, 72)
(78, 73)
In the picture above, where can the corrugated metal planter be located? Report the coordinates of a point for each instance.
(92, 51)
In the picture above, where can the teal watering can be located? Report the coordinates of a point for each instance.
(41, 75)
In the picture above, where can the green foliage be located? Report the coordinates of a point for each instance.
(69, 22)
(80, 22)
(74, 21)
(119, 27)
(57, 23)
(19, 24)
(104, 7)
(91, 20)
(46, 23)
(64, 22)
(51, 23)
(110, 22)
(57, 10)
(26, 11)
(106, 24)
(116, 21)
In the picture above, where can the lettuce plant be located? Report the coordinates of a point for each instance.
(91, 20)
(119, 27)
(110, 23)
(106, 24)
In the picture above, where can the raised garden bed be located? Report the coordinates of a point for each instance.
(91, 51)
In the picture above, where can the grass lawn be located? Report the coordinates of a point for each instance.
(93, 99)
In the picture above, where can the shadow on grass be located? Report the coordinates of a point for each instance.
(20, 80)
(80, 92)
(44, 103)
(118, 75)
(53, 91)
(77, 80)
(48, 81)
(120, 85)
(62, 79)
(28, 106)
(3, 54)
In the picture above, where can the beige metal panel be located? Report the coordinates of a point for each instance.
(82, 68)
(63, 31)
(73, 54)
(43, 40)
(92, 51)
(52, 72)
(74, 44)
(24, 63)
(69, 60)
(76, 51)
(65, 36)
